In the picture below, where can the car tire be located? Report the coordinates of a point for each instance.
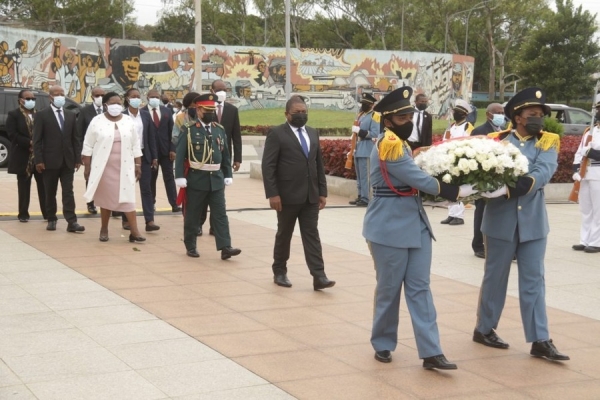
(4, 151)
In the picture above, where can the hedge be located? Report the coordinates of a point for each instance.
(264, 129)
(334, 158)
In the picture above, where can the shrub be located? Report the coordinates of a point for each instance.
(264, 129)
(552, 125)
(568, 147)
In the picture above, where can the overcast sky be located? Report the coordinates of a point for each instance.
(146, 10)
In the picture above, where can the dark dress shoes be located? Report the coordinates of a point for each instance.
(361, 203)
(125, 226)
(136, 239)
(447, 220)
(75, 227)
(491, 339)
(457, 221)
(322, 282)
(282, 280)
(23, 219)
(92, 209)
(438, 362)
(578, 247)
(592, 249)
(51, 226)
(384, 356)
(480, 254)
(353, 202)
(152, 227)
(193, 253)
(199, 232)
(176, 209)
(546, 349)
(228, 252)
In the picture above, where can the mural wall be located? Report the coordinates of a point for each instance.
(256, 76)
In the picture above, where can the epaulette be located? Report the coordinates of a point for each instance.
(390, 147)
(218, 124)
(500, 135)
(189, 124)
(376, 117)
(548, 140)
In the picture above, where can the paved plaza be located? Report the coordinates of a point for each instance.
(81, 319)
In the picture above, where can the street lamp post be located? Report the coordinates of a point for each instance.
(288, 57)
(198, 47)
(448, 17)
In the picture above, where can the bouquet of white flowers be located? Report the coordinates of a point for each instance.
(477, 160)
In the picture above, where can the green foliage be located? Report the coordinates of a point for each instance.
(552, 125)
(317, 118)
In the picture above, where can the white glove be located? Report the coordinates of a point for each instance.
(355, 129)
(181, 182)
(466, 190)
(228, 181)
(496, 193)
(577, 177)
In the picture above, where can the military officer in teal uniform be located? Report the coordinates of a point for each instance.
(202, 170)
(367, 131)
(515, 221)
(399, 235)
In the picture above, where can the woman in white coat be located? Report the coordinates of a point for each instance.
(112, 159)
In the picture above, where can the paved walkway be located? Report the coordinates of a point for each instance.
(81, 319)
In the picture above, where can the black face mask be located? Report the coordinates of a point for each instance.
(458, 116)
(207, 117)
(365, 107)
(402, 131)
(534, 125)
(597, 117)
(422, 106)
(299, 120)
(192, 113)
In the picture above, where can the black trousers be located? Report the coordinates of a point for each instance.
(204, 215)
(51, 179)
(477, 243)
(24, 191)
(145, 192)
(166, 166)
(307, 215)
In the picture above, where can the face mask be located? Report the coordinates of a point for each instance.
(364, 107)
(29, 104)
(154, 102)
(192, 113)
(59, 101)
(534, 125)
(207, 117)
(166, 102)
(402, 131)
(299, 120)
(114, 109)
(458, 116)
(422, 106)
(135, 103)
(498, 120)
(98, 101)
(175, 109)
(221, 96)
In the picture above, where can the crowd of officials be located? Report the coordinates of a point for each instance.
(121, 143)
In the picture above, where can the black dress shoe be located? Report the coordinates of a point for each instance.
(322, 283)
(51, 226)
(228, 252)
(125, 226)
(176, 209)
(447, 220)
(384, 356)
(578, 247)
(282, 280)
(152, 227)
(546, 349)
(193, 253)
(136, 238)
(591, 249)
(116, 213)
(438, 362)
(457, 221)
(490, 340)
(92, 209)
(353, 202)
(75, 227)
(211, 232)
(199, 232)
(480, 254)
(23, 219)
(361, 203)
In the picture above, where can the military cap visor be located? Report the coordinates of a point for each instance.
(207, 101)
(367, 98)
(396, 102)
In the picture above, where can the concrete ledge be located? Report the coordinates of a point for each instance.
(555, 192)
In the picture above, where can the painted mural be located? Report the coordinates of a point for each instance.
(255, 76)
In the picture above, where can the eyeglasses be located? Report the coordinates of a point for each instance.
(28, 98)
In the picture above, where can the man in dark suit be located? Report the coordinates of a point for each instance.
(162, 130)
(495, 122)
(57, 153)
(83, 121)
(294, 180)
(422, 124)
(19, 126)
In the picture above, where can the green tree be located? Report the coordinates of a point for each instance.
(563, 54)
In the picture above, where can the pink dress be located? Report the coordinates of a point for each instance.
(107, 193)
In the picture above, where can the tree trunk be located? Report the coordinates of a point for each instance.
(492, 50)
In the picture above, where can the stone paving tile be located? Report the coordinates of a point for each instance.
(261, 392)
(18, 392)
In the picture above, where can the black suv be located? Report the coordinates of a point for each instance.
(8, 102)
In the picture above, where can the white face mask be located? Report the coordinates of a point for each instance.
(175, 109)
(221, 96)
(153, 102)
(59, 101)
(114, 109)
(135, 103)
(98, 101)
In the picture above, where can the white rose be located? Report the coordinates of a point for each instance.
(447, 178)
(463, 165)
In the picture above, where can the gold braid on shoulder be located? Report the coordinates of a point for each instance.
(391, 147)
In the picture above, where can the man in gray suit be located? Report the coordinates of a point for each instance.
(399, 235)
(294, 180)
(515, 221)
(367, 130)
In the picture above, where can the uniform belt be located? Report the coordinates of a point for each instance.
(210, 167)
(384, 191)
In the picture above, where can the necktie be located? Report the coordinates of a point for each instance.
(99, 110)
(303, 142)
(219, 112)
(61, 120)
(155, 117)
(419, 125)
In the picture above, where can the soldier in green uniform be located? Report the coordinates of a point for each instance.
(202, 170)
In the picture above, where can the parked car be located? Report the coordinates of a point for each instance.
(8, 102)
(574, 120)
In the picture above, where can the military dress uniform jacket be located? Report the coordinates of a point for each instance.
(369, 129)
(524, 207)
(200, 138)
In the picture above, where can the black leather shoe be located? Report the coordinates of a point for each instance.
(282, 280)
(361, 203)
(193, 253)
(480, 254)
(490, 340)
(51, 226)
(23, 219)
(75, 227)
(438, 362)
(136, 238)
(384, 356)
(447, 220)
(353, 202)
(125, 226)
(116, 213)
(199, 232)
(546, 349)
(591, 249)
(211, 232)
(92, 208)
(578, 247)
(152, 227)
(457, 221)
(176, 209)
(228, 252)
(322, 283)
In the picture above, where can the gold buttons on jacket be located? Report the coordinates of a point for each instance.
(519, 208)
